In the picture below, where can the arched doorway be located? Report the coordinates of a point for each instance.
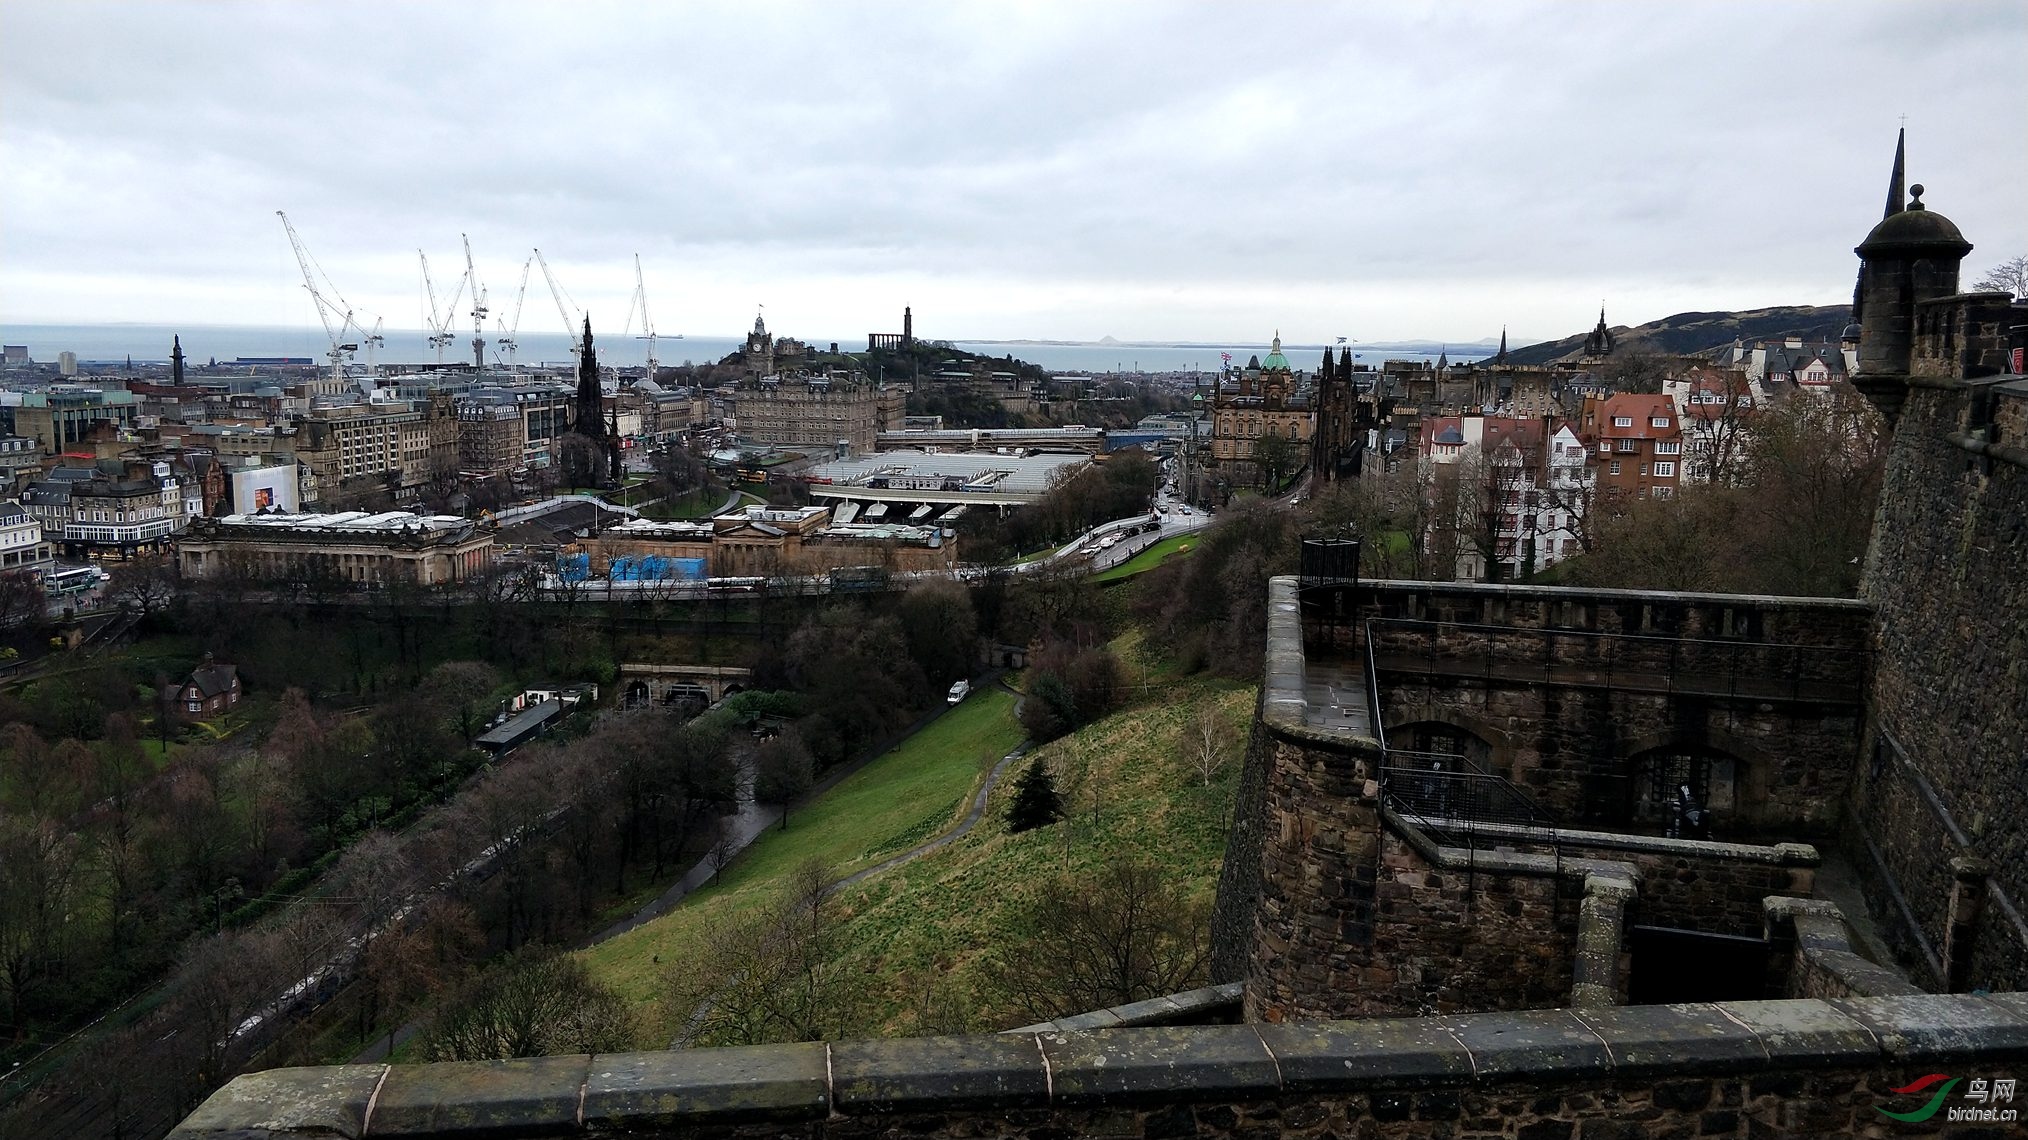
(1429, 739)
(1664, 781)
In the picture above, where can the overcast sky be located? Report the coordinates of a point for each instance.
(1150, 171)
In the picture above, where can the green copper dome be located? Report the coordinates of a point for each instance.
(1275, 361)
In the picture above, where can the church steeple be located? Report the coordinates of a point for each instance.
(1444, 358)
(1600, 342)
(1894, 180)
(590, 398)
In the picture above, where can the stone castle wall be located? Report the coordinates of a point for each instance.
(1567, 687)
(1741, 1069)
(1944, 772)
(1573, 748)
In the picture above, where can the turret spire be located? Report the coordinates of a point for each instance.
(1502, 358)
(1894, 180)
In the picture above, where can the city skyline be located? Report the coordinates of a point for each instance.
(1152, 173)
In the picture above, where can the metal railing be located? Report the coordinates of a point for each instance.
(1445, 786)
(1649, 662)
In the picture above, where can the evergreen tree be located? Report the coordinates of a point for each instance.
(1036, 803)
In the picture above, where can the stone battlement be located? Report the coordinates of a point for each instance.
(1731, 1069)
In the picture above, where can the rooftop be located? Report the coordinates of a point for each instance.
(349, 522)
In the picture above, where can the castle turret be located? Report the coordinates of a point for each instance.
(1912, 256)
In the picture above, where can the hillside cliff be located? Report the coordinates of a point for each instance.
(1686, 333)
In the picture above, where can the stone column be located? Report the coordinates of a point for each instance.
(1961, 932)
(1600, 924)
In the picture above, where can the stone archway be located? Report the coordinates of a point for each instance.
(1714, 780)
(1740, 765)
(1428, 728)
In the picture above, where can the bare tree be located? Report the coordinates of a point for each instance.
(771, 976)
(538, 1003)
(1125, 934)
(1275, 455)
(21, 600)
(2010, 276)
(1637, 370)
(38, 871)
(1210, 740)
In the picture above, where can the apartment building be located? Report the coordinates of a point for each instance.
(1635, 444)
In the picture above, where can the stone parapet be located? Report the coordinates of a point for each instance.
(1817, 955)
(1730, 1069)
(1209, 1005)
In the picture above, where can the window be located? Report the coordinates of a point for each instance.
(1658, 421)
(1605, 446)
(1668, 448)
(1664, 469)
(1623, 421)
(1627, 445)
(1644, 469)
(1664, 492)
(196, 706)
(1614, 469)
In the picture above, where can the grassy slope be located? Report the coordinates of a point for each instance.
(926, 934)
(931, 925)
(1150, 558)
(916, 790)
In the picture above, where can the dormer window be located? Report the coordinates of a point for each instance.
(1658, 421)
(1623, 421)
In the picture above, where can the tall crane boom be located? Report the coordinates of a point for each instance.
(562, 310)
(439, 318)
(340, 350)
(513, 328)
(478, 309)
(640, 301)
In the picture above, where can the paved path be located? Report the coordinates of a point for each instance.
(953, 835)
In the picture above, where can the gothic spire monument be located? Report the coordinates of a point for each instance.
(590, 452)
(176, 361)
(588, 420)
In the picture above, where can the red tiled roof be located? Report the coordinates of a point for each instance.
(1641, 409)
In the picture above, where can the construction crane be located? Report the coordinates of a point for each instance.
(570, 327)
(478, 309)
(513, 328)
(640, 301)
(372, 341)
(341, 349)
(439, 319)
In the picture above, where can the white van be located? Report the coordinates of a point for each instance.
(959, 692)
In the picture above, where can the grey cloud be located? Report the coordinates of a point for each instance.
(1671, 151)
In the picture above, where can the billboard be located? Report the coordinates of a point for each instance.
(265, 489)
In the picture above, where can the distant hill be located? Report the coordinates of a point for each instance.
(1687, 333)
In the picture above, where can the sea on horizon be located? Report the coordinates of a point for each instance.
(150, 344)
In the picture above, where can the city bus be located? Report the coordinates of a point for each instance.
(74, 580)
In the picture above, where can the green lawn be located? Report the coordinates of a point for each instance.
(1150, 558)
(913, 792)
(693, 505)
